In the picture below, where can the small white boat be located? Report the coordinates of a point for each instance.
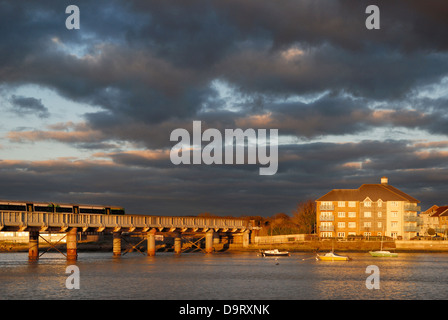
(274, 252)
(331, 256)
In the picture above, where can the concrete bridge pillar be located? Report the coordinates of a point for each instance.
(209, 241)
(72, 251)
(151, 238)
(33, 246)
(246, 238)
(117, 244)
(177, 243)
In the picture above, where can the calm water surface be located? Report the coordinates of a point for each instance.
(223, 276)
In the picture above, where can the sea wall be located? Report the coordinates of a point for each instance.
(421, 245)
(324, 245)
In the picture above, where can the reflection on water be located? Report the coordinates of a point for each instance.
(230, 276)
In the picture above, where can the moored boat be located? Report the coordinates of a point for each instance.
(274, 252)
(331, 256)
(383, 253)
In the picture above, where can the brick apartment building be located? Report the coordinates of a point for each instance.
(370, 210)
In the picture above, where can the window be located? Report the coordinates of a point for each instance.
(326, 234)
(394, 203)
(367, 234)
(394, 224)
(352, 214)
(341, 204)
(341, 214)
(341, 224)
(367, 224)
(380, 203)
(352, 224)
(352, 204)
(380, 214)
(326, 216)
(367, 214)
(367, 203)
(341, 234)
(379, 234)
(394, 214)
(380, 224)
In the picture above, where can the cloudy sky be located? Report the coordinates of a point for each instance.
(86, 115)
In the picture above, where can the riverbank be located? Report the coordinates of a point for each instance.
(353, 246)
(299, 246)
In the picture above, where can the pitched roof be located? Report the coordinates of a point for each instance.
(441, 211)
(431, 210)
(375, 192)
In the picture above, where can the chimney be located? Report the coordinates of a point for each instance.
(384, 180)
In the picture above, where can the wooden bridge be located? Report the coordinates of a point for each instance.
(71, 224)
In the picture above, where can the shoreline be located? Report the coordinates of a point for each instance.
(415, 246)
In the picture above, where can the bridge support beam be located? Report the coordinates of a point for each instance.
(117, 244)
(177, 243)
(72, 251)
(209, 241)
(246, 238)
(33, 246)
(151, 238)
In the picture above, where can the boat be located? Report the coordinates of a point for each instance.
(274, 252)
(383, 253)
(331, 256)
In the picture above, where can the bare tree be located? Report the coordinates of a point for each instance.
(305, 216)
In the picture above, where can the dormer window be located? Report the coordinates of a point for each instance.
(367, 202)
(380, 203)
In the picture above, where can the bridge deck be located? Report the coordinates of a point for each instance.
(60, 222)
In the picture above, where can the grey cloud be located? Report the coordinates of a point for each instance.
(28, 105)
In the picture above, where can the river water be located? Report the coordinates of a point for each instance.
(229, 276)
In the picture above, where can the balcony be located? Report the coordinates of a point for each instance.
(411, 229)
(412, 207)
(326, 218)
(326, 207)
(326, 228)
(410, 218)
(440, 229)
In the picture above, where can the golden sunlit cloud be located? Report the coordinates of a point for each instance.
(292, 53)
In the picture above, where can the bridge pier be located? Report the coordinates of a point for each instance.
(117, 244)
(209, 241)
(151, 238)
(72, 251)
(33, 246)
(246, 239)
(177, 243)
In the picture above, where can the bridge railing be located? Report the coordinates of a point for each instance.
(39, 219)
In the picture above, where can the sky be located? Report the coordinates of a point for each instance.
(86, 114)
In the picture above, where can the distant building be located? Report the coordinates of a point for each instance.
(23, 237)
(370, 210)
(435, 218)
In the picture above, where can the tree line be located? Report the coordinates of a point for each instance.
(301, 220)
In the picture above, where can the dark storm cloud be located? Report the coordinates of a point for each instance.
(152, 61)
(144, 184)
(149, 66)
